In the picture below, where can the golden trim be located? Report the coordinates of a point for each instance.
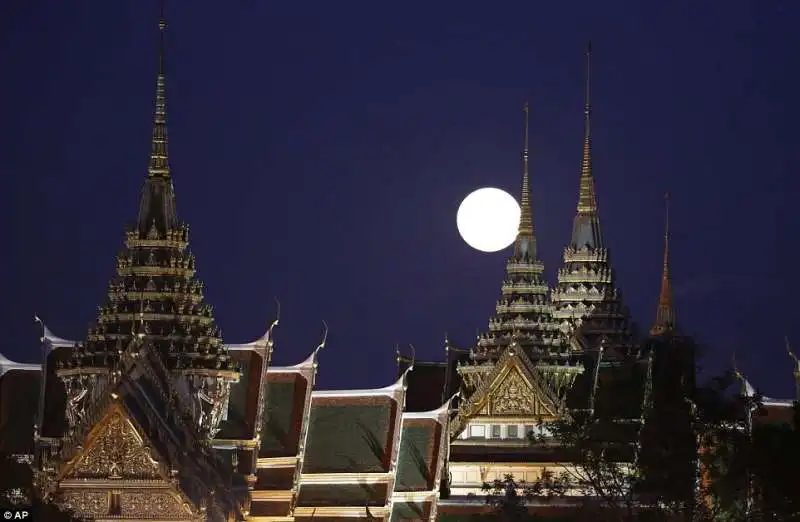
(505, 419)
(118, 484)
(234, 443)
(276, 462)
(269, 495)
(268, 519)
(228, 374)
(516, 465)
(83, 370)
(345, 478)
(304, 511)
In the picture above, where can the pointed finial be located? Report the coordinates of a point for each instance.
(587, 201)
(665, 313)
(526, 218)
(324, 336)
(791, 353)
(789, 349)
(525, 243)
(410, 366)
(735, 367)
(38, 321)
(269, 338)
(747, 388)
(159, 163)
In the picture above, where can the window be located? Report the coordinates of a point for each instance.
(513, 431)
(477, 432)
(530, 428)
(495, 431)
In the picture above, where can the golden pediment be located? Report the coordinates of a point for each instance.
(114, 450)
(513, 394)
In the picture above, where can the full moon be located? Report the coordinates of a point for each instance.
(488, 219)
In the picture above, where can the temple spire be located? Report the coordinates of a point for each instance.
(159, 163)
(587, 201)
(526, 242)
(157, 212)
(665, 314)
(586, 226)
(586, 299)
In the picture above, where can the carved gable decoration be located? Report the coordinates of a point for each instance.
(515, 396)
(115, 451)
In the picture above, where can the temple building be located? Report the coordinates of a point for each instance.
(548, 353)
(155, 417)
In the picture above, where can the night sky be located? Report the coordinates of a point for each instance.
(320, 151)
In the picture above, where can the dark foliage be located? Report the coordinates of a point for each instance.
(509, 496)
(16, 487)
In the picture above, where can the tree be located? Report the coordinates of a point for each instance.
(16, 489)
(750, 461)
(508, 496)
(655, 447)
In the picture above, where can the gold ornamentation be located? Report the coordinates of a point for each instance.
(118, 452)
(86, 503)
(152, 504)
(515, 397)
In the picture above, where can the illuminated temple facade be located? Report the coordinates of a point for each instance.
(154, 417)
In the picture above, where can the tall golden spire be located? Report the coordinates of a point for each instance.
(665, 314)
(157, 212)
(159, 163)
(587, 201)
(526, 242)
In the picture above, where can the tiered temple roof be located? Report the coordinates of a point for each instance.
(524, 312)
(587, 301)
(157, 297)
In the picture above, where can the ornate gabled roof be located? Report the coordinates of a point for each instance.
(156, 292)
(142, 387)
(586, 299)
(524, 310)
(665, 313)
(515, 386)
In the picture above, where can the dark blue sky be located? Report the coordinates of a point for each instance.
(320, 151)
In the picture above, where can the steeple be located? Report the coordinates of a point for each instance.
(525, 246)
(157, 203)
(665, 314)
(586, 226)
(524, 312)
(156, 298)
(587, 302)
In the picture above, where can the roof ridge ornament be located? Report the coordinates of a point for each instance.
(320, 346)
(268, 338)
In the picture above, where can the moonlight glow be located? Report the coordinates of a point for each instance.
(488, 219)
